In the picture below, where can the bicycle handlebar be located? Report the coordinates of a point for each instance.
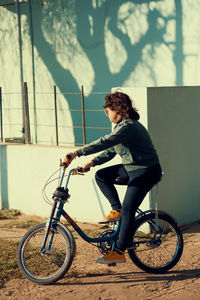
(78, 169)
(63, 164)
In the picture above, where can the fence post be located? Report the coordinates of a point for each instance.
(26, 115)
(56, 114)
(1, 115)
(83, 114)
(17, 4)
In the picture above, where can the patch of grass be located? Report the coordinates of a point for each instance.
(8, 260)
(9, 267)
(21, 225)
(9, 213)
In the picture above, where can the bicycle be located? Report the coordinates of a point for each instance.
(46, 251)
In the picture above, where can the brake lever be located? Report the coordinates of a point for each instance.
(79, 170)
(62, 164)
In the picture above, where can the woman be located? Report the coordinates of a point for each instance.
(140, 169)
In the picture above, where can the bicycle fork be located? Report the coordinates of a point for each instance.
(49, 221)
(48, 226)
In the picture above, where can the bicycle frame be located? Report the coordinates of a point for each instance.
(61, 212)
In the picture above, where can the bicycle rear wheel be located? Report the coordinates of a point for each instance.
(48, 267)
(158, 243)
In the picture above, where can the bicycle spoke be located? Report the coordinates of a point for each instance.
(49, 265)
(158, 243)
(156, 257)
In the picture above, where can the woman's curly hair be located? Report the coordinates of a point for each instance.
(122, 104)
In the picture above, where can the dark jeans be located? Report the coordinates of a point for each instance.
(139, 183)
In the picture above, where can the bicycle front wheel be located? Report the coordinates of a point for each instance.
(49, 266)
(158, 243)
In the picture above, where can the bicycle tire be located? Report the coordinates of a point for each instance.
(45, 268)
(151, 253)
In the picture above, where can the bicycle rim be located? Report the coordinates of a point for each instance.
(158, 243)
(48, 267)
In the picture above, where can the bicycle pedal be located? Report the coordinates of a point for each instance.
(112, 265)
(108, 222)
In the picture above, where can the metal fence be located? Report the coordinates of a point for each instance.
(26, 125)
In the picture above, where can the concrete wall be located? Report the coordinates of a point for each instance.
(174, 125)
(25, 170)
(97, 44)
(171, 114)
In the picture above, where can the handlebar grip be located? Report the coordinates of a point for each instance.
(80, 169)
(62, 164)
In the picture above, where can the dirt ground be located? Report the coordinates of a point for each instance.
(125, 281)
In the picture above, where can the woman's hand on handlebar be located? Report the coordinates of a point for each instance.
(69, 157)
(86, 167)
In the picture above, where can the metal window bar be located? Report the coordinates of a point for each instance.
(26, 115)
(55, 93)
(56, 114)
(83, 114)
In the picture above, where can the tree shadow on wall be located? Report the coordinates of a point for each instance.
(75, 31)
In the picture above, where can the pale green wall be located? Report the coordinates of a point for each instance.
(4, 202)
(173, 122)
(27, 167)
(97, 44)
(25, 170)
(171, 114)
